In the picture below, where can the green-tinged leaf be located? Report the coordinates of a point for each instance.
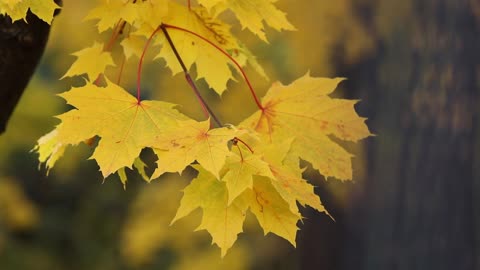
(222, 220)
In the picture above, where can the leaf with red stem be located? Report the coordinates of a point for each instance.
(198, 39)
(304, 111)
(194, 50)
(124, 125)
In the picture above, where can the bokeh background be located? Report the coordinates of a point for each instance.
(414, 202)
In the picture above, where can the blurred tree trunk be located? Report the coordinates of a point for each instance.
(418, 206)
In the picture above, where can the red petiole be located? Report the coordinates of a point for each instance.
(140, 63)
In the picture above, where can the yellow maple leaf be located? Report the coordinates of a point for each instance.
(92, 61)
(195, 50)
(124, 125)
(17, 9)
(304, 111)
(222, 220)
(252, 14)
(190, 141)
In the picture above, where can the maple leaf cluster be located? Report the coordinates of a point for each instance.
(253, 166)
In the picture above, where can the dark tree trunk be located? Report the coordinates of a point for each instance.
(21, 46)
(418, 206)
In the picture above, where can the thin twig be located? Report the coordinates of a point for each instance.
(188, 77)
